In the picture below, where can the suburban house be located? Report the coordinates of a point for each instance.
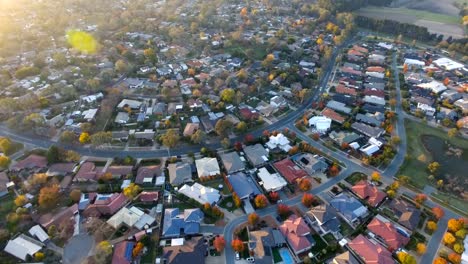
(131, 217)
(321, 123)
(297, 234)
(23, 246)
(370, 253)
(325, 218)
(60, 169)
(3, 184)
(59, 217)
(148, 197)
(242, 185)
(330, 113)
(207, 167)
(200, 193)
(270, 181)
(349, 207)
(88, 172)
(386, 233)
(232, 162)
(369, 192)
(122, 118)
(190, 251)
(367, 130)
(105, 204)
(190, 129)
(32, 162)
(337, 106)
(310, 163)
(119, 171)
(39, 233)
(146, 174)
(262, 241)
(177, 224)
(128, 103)
(289, 170)
(179, 173)
(256, 154)
(408, 215)
(279, 141)
(345, 258)
(123, 252)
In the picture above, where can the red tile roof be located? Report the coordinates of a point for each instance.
(375, 69)
(295, 229)
(56, 219)
(388, 233)
(365, 190)
(370, 253)
(375, 92)
(123, 253)
(147, 172)
(108, 206)
(360, 49)
(345, 90)
(248, 114)
(289, 170)
(87, 172)
(330, 113)
(355, 53)
(31, 162)
(351, 71)
(149, 196)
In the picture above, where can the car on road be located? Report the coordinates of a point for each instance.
(251, 260)
(237, 256)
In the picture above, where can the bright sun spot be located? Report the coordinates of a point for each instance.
(82, 41)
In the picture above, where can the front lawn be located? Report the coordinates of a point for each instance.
(355, 178)
(228, 204)
(276, 255)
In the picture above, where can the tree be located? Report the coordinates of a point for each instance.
(395, 185)
(222, 127)
(260, 201)
(4, 161)
(431, 226)
(86, 127)
(226, 143)
(454, 258)
(5, 145)
(461, 234)
(395, 140)
(198, 137)
(75, 195)
(227, 95)
(237, 245)
(449, 239)
(405, 258)
(433, 167)
(132, 190)
(21, 200)
(439, 260)
(84, 138)
(459, 248)
(52, 231)
(283, 210)
(438, 212)
(219, 243)
(452, 132)
(253, 219)
(101, 138)
(170, 138)
(308, 199)
(237, 201)
(137, 249)
(49, 196)
(121, 66)
(405, 68)
(454, 225)
(420, 198)
(302, 94)
(39, 256)
(421, 248)
(72, 156)
(391, 194)
(305, 185)
(375, 176)
(242, 126)
(53, 154)
(274, 196)
(67, 137)
(103, 251)
(333, 170)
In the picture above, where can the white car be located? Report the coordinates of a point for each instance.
(251, 260)
(237, 256)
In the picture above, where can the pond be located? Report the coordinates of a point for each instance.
(452, 159)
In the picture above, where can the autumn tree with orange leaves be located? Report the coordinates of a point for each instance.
(49, 196)
(260, 201)
(449, 239)
(305, 185)
(439, 260)
(237, 245)
(333, 170)
(283, 210)
(421, 248)
(253, 219)
(274, 196)
(438, 212)
(454, 258)
(454, 225)
(219, 243)
(308, 199)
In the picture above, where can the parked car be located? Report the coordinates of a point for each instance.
(237, 256)
(251, 260)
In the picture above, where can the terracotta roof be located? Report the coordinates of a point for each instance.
(119, 170)
(374, 92)
(360, 49)
(330, 113)
(345, 90)
(295, 229)
(388, 233)
(87, 171)
(369, 252)
(369, 192)
(147, 172)
(375, 69)
(289, 170)
(107, 206)
(246, 113)
(190, 128)
(61, 168)
(149, 196)
(123, 252)
(56, 219)
(31, 162)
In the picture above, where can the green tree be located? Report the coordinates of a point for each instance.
(4, 161)
(170, 138)
(121, 66)
(198, 136)
(53, 154)
(68, 137)
(101, 138)
(241, 126)
(5, 145)
(452, 132)
(222, 127)
(433, 167)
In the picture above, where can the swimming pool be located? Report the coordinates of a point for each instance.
(286, 256)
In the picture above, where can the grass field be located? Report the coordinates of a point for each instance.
(391, 13)
(415, 165)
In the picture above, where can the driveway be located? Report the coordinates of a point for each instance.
(77, 249)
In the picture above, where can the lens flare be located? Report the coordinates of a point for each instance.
(82, 41)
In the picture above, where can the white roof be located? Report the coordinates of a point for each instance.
(125, 216)
(376, 74)
(385, 45)
(200, 193)
(279, 141)
(370, 149)
(354, 145)
(435, 86)
(89, 114)
(22, 246)
(144, 221)
(271, 182)
(131, 103)
(207, 167)
(38, 232)
(448, 64)
(160, 180)
(125, 184)
(177, 242)
(321, 123)
(374, 141)
(414, 62)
